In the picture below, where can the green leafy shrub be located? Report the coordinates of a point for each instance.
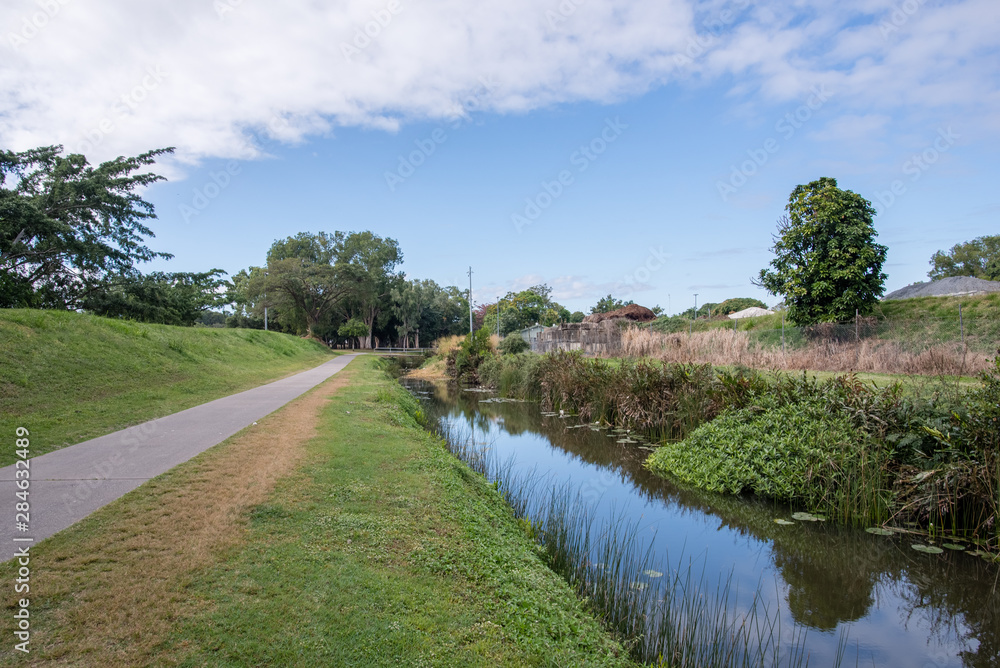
(463, 361)
(778, 453)
(513, 344)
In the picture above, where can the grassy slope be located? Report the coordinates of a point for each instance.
(379, 549)
(68, 377)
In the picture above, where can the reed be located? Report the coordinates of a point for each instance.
(726, 347)
(663, 618)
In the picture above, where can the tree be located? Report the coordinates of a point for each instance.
(608, 304)
(979, 257)
(368, 261)
(826, 264)
(353, 329)
(408, 302)
(168, 299)
(66, 228)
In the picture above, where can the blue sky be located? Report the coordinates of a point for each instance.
(644, 149)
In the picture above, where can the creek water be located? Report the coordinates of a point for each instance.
(897, 606)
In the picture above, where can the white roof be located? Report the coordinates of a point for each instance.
(752, 312)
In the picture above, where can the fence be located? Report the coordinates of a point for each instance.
(930, 346)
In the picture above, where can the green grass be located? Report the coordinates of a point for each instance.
(386, 551)
(68, 377)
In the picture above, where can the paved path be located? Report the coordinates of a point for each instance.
(69, 484)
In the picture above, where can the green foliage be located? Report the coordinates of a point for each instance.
(463, 362)
(524, 309)
(827, 264)
(979, 257)
(513, 344)
(167, 299)
(780, 453)
(515, 376)
(735, 304)
(67, 227)
(352, 329)
(608, 304)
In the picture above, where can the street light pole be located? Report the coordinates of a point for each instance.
(470, 300)
(265, 301)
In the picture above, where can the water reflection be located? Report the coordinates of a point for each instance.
(899, 607)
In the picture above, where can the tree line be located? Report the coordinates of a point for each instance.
(73, 234)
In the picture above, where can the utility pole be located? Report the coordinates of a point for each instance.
(470, 300)
(265, 301)
(498, 316)
(691, 324)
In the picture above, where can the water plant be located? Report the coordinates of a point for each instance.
(665, 617)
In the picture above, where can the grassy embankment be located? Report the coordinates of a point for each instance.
(68, 377)
(335, 532)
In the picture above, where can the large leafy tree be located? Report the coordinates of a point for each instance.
(979, 257)
(827, 264)
(67, 228)
(169, 299)
(368, 262)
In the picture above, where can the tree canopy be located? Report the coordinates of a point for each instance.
(608, 304)
(827, 263)
(67, 229)
(979, 258)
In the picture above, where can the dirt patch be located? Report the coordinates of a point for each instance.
(120, 577)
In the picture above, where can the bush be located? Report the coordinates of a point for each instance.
(463, 361)
(514, 344)
(791, 453)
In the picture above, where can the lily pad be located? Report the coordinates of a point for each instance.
(807, 517)
(625, 440)
(953, 546)
(653, 574)
(783, 523)
(879, 531)
(927, 549)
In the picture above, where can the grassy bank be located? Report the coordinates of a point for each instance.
(68, 377)
(374, 546)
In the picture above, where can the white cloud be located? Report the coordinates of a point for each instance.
(115, 77)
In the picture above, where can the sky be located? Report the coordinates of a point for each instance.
(644, 149)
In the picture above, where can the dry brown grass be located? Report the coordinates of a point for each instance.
(116, 581)
(446, 344)
(727, 347)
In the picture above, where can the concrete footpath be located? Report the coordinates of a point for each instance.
(69, 484)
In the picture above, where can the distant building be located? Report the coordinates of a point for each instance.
(530, 334)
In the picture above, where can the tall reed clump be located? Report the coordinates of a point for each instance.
(663, 620)
(666, 399)
(513, 375)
